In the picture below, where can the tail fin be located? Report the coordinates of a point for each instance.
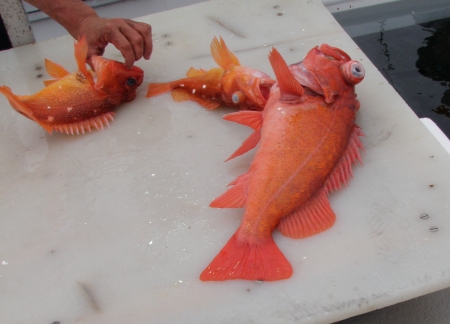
(20, 107)
(155, 89)
(16, 103)
(240, 259)
(222, 55)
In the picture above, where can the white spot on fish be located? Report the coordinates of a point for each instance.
(69, 109)
(50, 118)
(48, 107)
(204, 86)
(193, 91)
(182, 85)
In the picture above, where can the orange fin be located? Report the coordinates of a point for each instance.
(97, 122)
(247, 118)
(14, 101)
(81, 50)
(182, 95)
(55, 70)
(234, 197)
(313, 217)
(290, 89)
(247, 145)
(222, 55)
(155, 89)
(240, 259)
(192, 72)
(48, 82)
(342, 172)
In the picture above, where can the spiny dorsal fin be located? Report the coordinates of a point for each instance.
(289, 87)
(222, 55)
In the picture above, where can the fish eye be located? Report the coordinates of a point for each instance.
(357, 70)
(131, 82)
(353, 72)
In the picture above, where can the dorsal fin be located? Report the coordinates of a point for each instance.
(81, 50)
(222, 55)
(289, 87)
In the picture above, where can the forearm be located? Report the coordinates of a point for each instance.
(68, 13)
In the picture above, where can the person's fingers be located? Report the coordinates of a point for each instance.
(145, 31)
(134, 37)
(124, 46)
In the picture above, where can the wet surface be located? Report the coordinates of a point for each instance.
(416, 62)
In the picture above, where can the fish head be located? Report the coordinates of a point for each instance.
(246, 87)
(116, 79)
(328, 71)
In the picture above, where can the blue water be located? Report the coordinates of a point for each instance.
(416, 62)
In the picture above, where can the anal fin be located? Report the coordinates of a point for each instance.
(252, 119)
(313, 217)
(192, 72)
(236, 196)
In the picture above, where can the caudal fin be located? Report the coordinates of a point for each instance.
(155, 89)
(240, 259)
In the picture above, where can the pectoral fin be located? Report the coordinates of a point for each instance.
(248, 118)
(81, 49)
(290, 89)
(55, 70)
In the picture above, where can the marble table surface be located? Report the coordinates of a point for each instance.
(114, 226)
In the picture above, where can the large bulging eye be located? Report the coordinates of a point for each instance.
(353, 72)
(131, 82)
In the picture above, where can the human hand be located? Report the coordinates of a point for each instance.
(133, 39)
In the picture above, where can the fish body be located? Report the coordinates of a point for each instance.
(308, 143)
(75, 102)
(230, 84)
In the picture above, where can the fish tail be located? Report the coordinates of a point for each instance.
(16, 103)
(21, 108)
(241, 259)
(155, 89)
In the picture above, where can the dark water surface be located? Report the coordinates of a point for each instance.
(416, 62)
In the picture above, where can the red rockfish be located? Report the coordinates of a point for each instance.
(231, 85)
(308, 143)
(75, 102)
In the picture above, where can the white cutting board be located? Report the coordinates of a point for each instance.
(114, 226)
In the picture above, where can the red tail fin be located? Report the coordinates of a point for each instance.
(155, 89)
(240, 259)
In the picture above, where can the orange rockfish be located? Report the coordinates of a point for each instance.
(308, 144)
(231, 85)
(75, 102)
